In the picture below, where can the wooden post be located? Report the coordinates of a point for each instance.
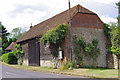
(70, 33)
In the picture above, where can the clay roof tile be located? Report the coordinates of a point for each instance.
(61, 18)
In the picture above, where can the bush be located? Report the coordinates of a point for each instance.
(66, 66)
(62, 67)
(20, 60)
(4, 58)
(9, 58)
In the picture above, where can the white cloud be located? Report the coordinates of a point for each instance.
(108, 19)
(21, 13)
(106, 1)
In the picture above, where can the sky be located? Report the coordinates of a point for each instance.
(21, 13)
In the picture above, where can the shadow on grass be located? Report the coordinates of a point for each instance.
(58, 79)
(91, 67)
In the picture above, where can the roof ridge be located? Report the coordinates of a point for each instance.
(77, 10)
(54, 16)
(52, 22)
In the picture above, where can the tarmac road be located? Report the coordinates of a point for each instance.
(9, 73)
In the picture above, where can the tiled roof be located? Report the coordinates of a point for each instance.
(10, 47)
(43, 27)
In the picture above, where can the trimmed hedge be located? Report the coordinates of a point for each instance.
(9, 58)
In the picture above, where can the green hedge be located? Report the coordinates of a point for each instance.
(9, 58)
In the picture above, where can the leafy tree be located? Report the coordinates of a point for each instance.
(18, 53)
(10, 40)
(115, 38)
(0, 46)
(0, 42)
(16, 33)
(115, 33)
(4, 31)
(118, 4)
(4, 37)
(0, 31)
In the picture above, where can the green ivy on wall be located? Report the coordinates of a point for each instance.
(79, 44)
(55, 35)
(55, 38)
(83, 48)
(91, 50)
(107, 32)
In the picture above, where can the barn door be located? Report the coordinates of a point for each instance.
(37, 53)
(34, 53)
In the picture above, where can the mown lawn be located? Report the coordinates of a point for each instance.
(85, 72)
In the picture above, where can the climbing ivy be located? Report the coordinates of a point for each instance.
(79, 45)
(91, 50)
(107, 32)
(83, 48)
(55, 35)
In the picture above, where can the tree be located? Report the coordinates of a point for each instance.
(4, 35)
(18, 53)
(0, 42)
(0, 46)
(115, 38)
(115, 35)
(3, 31)
(14, 35)
(16, 32)
(10, 40)
(118, 4)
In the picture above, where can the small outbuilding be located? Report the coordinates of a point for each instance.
(10, 47)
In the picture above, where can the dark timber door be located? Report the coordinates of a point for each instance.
(34, 53)
(38, 53)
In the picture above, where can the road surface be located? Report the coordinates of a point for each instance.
(8, 72)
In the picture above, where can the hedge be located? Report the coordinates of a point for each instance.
(9, 58)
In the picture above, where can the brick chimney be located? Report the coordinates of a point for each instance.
(78, 8)
(31, 26)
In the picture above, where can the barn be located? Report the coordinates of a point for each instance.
(84, 23)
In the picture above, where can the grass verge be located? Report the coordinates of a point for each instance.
(85, 72)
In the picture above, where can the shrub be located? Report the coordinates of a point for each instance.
(62, 67)
(4, 58)
(9, 58)
(20, 60)
(66, 66)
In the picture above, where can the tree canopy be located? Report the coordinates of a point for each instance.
(16, 33)
(3, 35)
(115, 35)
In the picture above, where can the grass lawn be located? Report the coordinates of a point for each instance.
(85, 72)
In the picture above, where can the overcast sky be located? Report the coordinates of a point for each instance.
(21, 13)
